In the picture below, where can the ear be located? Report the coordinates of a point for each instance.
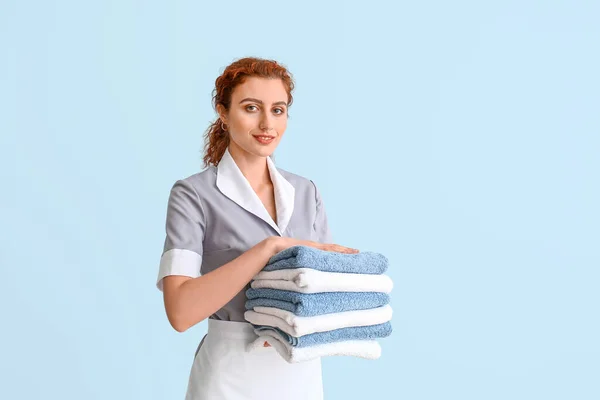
(222, 113)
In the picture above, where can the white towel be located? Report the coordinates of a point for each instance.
(300, 326)
(368, 349)
(308, 280)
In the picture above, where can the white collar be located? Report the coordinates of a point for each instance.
(233, 184)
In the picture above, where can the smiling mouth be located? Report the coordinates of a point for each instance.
(263, 136)
(264, 139)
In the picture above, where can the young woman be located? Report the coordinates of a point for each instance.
(224, 223)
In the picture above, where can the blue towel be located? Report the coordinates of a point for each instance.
(371, 332)
(309, 257)
(311, 304)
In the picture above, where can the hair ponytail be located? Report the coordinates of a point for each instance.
(216, 140)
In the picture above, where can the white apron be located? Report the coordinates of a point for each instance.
(224, 370)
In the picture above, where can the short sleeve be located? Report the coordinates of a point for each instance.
(320, 225)
(185, 225)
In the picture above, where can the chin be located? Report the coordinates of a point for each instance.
(264, 151)
(259, 151)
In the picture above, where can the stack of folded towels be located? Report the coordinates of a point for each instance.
(309, 303)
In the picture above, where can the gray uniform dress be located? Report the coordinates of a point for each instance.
(214, 216)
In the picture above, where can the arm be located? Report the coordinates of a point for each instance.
(189, 301)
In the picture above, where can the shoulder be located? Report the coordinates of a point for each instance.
(298, 181)
(209, 175)
(303, 185)
(199, 181)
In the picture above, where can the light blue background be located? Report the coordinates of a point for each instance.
(458, 138)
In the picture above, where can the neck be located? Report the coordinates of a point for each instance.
(254, 168)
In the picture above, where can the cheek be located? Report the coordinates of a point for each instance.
(242, 124)
(281, 125)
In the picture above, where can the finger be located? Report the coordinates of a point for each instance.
(339, 249)
(335, 248)
(346, 250)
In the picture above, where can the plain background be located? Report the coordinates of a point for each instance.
(460, 139)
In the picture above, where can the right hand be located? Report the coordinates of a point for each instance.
(282, 243)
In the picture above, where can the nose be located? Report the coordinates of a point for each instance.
(265, 123)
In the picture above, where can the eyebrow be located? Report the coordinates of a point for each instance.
(260, 101)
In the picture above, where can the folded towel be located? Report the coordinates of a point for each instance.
(367, 349)
(300, 326)
(370, 332)
(311, 304)
(308, 280)
(309, 257)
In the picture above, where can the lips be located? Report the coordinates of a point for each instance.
(264, 139)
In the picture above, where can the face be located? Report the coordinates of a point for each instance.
(257, 117)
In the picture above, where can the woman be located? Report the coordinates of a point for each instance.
(225, 223)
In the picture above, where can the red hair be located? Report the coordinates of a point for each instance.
(216, 139)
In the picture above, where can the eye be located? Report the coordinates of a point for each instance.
(249, 107)
(282, 111)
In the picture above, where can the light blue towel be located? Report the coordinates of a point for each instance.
(371, 332)
(311, 304)
(309, 257)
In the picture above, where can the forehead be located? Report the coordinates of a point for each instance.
(267, 90)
